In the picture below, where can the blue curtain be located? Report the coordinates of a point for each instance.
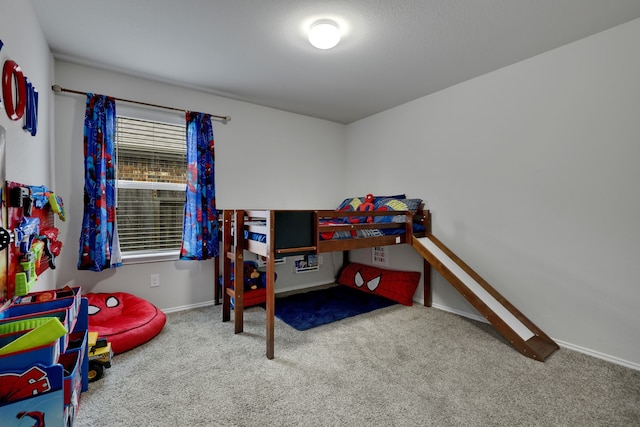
(200, 227)
(99, 247)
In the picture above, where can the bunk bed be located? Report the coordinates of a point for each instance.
(274, 234)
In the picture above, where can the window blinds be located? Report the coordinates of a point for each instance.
(151, 168)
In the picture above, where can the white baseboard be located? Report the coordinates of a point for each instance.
(562, 344)
(187, 307)
(211, 302)
(598, 355)
(459, 312)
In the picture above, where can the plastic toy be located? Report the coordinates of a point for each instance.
(57, 206)
(255, 283)
(365, 206)
(29, 262)
(25, 233)
(20, 197)
(28, 197)
(52, 247)
(254, 278)
(39, 331)
(5, 238)
(100, 355)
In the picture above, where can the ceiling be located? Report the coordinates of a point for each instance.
(256, 50)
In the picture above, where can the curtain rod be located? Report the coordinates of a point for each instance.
(58, 89)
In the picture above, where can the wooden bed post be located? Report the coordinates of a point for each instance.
(236, 255)
(426, 222)
(216, 276)
(216, 266)
(270, 294)
(426, 280)
(226, 265)
(238, 273)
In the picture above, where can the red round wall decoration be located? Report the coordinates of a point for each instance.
(12, 73)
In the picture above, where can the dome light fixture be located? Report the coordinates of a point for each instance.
(324, 34)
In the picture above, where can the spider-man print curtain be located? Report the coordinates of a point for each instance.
(200, 227)
(99, 247)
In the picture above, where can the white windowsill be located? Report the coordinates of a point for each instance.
(146, 185)
(139, 258)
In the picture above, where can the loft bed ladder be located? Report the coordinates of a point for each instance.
(233, 252)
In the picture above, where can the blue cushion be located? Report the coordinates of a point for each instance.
(410, 205)
(350, 204)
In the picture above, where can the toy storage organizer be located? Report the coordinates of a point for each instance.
(41, 381)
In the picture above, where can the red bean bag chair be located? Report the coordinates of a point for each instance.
(125, 320)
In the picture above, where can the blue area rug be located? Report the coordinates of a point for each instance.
(314, 308)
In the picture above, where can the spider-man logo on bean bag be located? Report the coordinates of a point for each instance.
(398, 286)
(125, 320)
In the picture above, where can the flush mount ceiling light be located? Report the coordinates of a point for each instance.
(324, 34)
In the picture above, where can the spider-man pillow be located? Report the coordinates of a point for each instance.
(125, 320)
(398, 286)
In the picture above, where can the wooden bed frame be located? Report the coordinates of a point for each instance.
(297, 232)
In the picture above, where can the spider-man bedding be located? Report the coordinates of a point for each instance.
(393, 203)
(355, 204)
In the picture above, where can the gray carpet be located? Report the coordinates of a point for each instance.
(398, 366)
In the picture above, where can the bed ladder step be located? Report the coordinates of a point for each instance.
(232, 261)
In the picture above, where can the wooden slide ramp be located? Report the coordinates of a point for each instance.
(526, 337)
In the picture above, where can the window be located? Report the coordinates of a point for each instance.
(151, 178)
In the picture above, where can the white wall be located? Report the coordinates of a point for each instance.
(531, 173)
(265, 158)
(28, 158)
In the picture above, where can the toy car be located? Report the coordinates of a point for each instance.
(100, 355)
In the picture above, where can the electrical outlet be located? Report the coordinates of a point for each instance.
(154, 280)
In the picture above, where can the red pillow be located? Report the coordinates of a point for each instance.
(125, 320)
(398, 286)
